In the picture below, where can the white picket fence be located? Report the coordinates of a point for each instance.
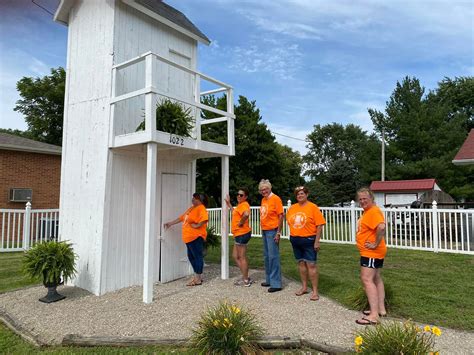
(20, 229)
(432, 229)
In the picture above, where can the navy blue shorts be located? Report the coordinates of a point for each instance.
(303, 249)
(371, 263)
(243, 239)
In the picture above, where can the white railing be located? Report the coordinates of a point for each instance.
(20, 229)
(134, 102)
(434, 229)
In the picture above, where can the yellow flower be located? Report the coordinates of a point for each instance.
(433, 353)
(236, 310)
(226, 320)
(358, 340)
(436, 331)
(427, 328)
(216, 323)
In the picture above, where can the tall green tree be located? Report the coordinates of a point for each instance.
(257, 154)
(341, 159)
(424, 131)
(42, 104)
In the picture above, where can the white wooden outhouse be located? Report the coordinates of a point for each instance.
(119, 185)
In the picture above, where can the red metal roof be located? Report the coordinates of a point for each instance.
(403, 185)
(465, 155)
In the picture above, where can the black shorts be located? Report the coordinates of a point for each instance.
(371, 263)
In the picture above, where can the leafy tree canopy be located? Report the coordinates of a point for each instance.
(42, 104)
(257, 154)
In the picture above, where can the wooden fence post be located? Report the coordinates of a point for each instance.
(434, 227)
(353, 222)
(26, 226)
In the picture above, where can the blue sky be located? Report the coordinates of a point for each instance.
(304, 61)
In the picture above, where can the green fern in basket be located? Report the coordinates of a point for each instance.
(172, 117)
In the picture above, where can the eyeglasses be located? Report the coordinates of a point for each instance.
(240, 195)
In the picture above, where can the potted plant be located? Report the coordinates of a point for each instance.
(172, 117)
(213, 240)
(54, 263)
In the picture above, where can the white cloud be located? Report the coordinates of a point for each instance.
(38, 67)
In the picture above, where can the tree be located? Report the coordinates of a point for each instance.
(257, 154)
(42, 104)
(423, 132)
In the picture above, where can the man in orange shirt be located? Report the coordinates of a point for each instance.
(371, 244)
(194, 234)
(271, 221)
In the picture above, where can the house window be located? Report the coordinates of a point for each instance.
(21, 195)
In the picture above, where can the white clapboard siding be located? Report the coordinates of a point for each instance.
(86, 126)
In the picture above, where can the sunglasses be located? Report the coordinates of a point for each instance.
(240, 195)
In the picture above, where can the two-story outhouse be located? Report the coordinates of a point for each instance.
(119, 184)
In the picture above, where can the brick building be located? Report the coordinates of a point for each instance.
(29, 170)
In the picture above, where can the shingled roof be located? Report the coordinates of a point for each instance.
(12, 142)
(465, 154)
(155, 8)
(173, 15)
(403, 185)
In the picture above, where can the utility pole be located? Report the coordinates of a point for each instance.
(383, 155)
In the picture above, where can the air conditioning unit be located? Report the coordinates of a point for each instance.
(21, 195)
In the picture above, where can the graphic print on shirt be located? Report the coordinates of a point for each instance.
(298, 220)
(263, 211)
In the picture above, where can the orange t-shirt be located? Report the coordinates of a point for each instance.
(270, 208)
(303, 220)
(194, 214)
(366, 232)
(237, 214)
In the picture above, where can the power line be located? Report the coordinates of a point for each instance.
(284, 135)
(45, 9)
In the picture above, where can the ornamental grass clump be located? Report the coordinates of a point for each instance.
(397, 338)
(357, 299)
(226, 329)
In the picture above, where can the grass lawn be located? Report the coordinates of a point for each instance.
(427, 287)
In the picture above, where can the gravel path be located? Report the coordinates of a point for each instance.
(176, 309)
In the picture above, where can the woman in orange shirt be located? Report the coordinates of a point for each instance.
(242, 233)
(371, 244)
(194, 234)
(306, 225)
(271, 221)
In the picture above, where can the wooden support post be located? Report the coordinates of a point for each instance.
(225, 220)
(150, 223)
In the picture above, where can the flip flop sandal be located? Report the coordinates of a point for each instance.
(365, 321)
(194, 283)
(314, 298)
(367, 312)
(301, 293)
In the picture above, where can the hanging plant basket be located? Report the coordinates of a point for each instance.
(172, 117)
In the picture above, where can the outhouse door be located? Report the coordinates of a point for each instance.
(175, 200)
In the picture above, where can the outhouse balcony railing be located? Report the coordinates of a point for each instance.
(143, 82)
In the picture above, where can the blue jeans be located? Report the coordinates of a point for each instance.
(195, 254)
(271, 252)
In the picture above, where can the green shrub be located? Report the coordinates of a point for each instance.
(396, 338)
(226, 329)
(213, 240)
(50, 261)
(357, 299)
(172, 117)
